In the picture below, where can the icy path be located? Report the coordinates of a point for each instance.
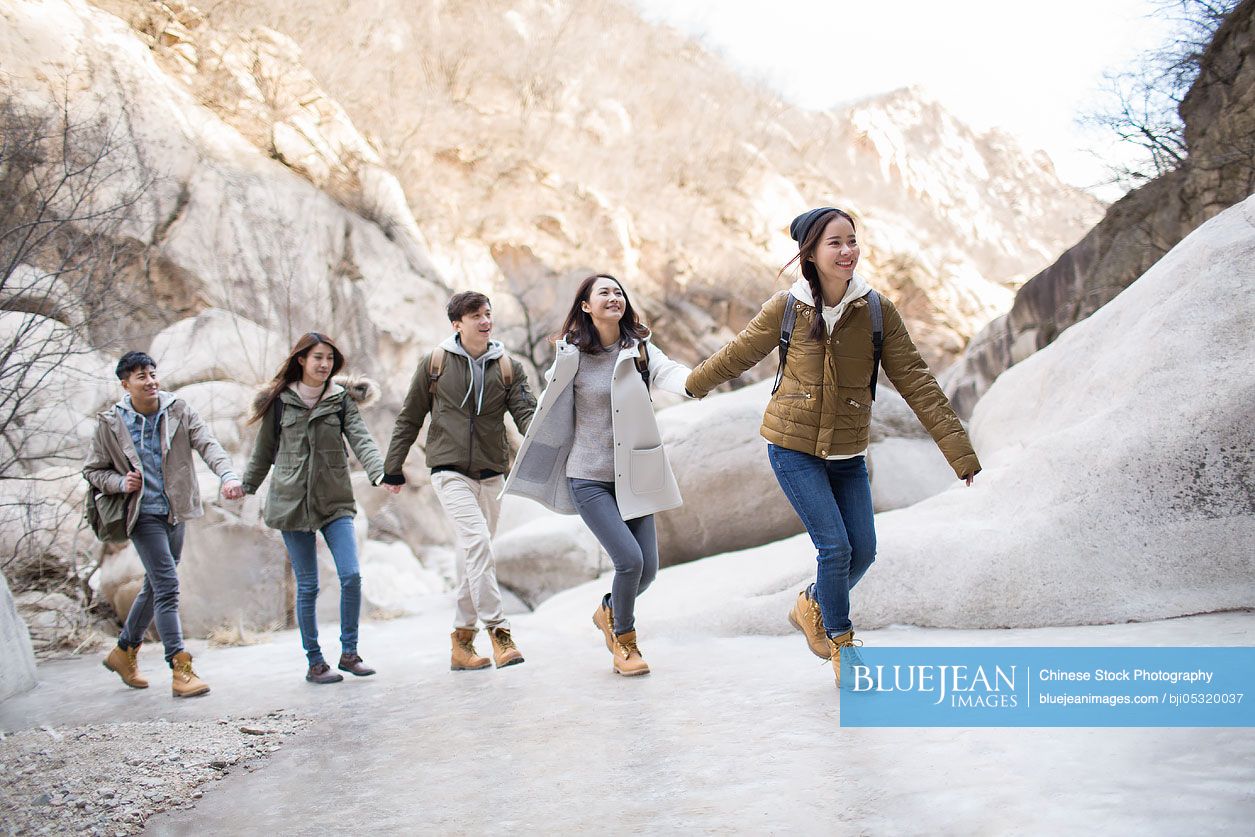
(727, 734)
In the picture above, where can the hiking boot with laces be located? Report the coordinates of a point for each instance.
(352, 663)
(124, 662)
(603, 618)
(504, 651)
(321, 673)
(185, 681)
(849, 644)
(627, 656)
(465, 658)
(805, 617)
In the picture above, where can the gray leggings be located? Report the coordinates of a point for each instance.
(159, 546)
(632, 544)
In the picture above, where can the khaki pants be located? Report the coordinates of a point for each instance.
(473, 508)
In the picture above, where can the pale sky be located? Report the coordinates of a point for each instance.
(1028, 68)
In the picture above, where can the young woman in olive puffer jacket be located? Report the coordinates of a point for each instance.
(303, 413)
(818, 420)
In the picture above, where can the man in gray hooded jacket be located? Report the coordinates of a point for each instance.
(467, 385)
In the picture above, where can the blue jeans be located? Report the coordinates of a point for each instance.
(632, 546)
(342, 541)
(159, 546)
(833, 497)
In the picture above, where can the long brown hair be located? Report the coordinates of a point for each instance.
(290, 370)
(578, 328)
(806, 249)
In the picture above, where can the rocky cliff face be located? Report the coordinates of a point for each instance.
(585, 138)
(1219, 171)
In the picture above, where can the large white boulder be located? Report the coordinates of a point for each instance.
(225, 406)
(17, 659)
(216, 345)
(547, 555)
(53, 383)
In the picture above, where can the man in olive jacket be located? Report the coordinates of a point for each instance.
(467, 388)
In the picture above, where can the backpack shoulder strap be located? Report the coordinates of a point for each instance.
(878, 336)
(642, 362)
(344, 411)
(434, 365)
(507, 369)
(786, 335)
(276, 422)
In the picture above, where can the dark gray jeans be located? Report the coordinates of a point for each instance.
(159, 546)
(632, 544)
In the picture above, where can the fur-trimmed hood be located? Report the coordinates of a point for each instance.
(363, 390)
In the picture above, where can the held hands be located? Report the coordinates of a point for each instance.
(232, 490)
(392, 489)
(132, 482)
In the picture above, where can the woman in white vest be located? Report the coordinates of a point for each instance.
(594, 449)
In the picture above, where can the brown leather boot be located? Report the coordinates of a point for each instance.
(125, 664)
(850, 644)
(464, 656)
(352, 663)
(603, 617)
(186, 683)
(805, 617)
(504, 651)
(627, 657)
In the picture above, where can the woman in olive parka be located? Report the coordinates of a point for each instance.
(303, 413)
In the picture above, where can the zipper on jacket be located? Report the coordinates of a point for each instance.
(805, 395)
(470, 449)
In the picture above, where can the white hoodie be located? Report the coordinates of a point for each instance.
(857, 288)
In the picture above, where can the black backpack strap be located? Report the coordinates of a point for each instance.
(276, 412)
(786, 335)
(642, 363)
(878, 336)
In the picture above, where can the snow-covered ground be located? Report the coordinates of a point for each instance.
(729, 733)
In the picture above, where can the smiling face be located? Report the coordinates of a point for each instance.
(606, 302)
(836, 253)
(475, 327)
(142, 385)
(316, 365)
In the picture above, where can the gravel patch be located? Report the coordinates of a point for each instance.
(108, 779)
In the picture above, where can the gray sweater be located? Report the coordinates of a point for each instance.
(592, 451)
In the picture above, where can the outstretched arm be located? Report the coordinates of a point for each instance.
(753, 344)
(218, 460)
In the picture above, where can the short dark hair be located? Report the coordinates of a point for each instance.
(132, 361)
(464, 303)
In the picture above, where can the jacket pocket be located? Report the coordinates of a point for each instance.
(647, 471)
(538, 464)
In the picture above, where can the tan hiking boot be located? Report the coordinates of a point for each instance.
(627, 657)
(603, 617)
(186, 683)
(805, 617)
(504, 651)
(464, 656)
(850, 644)
(125, 664)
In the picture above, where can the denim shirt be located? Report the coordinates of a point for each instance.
(146, 433)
